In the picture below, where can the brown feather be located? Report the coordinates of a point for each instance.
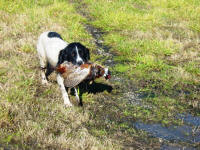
(73, 75)
(61, 69)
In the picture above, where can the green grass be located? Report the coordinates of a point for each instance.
(157, 47)
(160, 41)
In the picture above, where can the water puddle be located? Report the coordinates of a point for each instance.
(182, 133)
(175, 147)
(189, 119)
(189, 132)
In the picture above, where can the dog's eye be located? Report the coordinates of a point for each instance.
(73, 54)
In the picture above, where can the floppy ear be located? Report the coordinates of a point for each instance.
(87, 54)
(61, 57)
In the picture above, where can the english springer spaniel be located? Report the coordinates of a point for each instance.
(52, 51)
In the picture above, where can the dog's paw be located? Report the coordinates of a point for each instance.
(68, 105)
(45, 82)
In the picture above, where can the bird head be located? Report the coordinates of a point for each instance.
(107, 74)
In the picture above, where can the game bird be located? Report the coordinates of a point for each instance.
(73, 74)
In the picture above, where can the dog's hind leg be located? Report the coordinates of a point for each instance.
(49, 70)
(43, 61)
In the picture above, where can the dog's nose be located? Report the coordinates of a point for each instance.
(80, 63)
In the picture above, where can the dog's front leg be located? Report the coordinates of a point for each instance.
(60, 81)
(76, 94)
(44, 79)
(79, 100)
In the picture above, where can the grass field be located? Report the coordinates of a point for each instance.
(155, 46)
(157, 43)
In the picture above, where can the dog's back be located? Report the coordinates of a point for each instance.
(48, 47)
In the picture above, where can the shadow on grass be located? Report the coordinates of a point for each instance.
(93, 88)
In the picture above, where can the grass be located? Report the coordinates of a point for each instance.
(33, 116)
(156, 47)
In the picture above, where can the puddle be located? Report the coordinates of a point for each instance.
(182, 133)
(189, 119)
(189, 132)
(175, 147)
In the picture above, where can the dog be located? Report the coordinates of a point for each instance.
(53, 51)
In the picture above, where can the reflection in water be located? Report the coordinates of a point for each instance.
(189, 132)
(173, 147)
(182, 133)
(189, 119)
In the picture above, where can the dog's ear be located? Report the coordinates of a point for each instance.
(87, 54)
(61, 57)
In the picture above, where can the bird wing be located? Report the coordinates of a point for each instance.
(73, 75)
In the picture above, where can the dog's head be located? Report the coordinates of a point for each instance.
(75, 53)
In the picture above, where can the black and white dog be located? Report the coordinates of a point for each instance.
(52, 51)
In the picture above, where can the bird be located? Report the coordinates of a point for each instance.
(73, 74)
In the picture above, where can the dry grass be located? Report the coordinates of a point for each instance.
(33, 116)
(157, 46)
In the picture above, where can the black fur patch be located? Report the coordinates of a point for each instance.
(69, 53)
(54, 35)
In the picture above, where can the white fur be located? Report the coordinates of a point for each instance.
(60, 81)
(48, 50)
(78, 59)
(77, 97)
